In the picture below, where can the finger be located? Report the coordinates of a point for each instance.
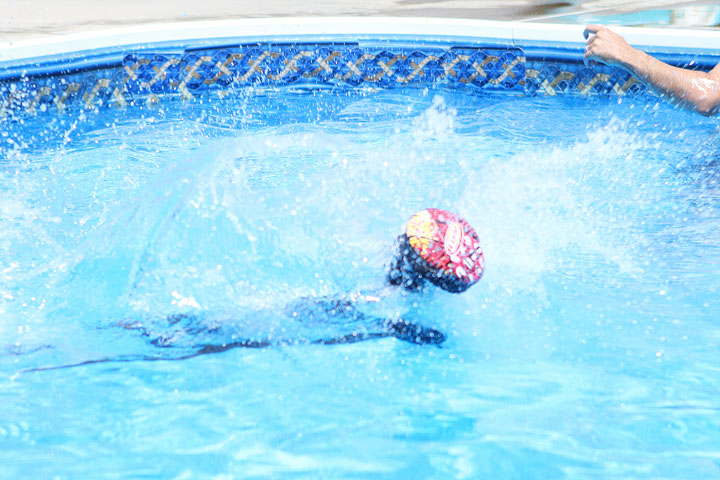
(591, 29)
(589, 59)
(588, 48)
(589, 62)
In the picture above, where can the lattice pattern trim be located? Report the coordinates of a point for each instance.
(147, 78)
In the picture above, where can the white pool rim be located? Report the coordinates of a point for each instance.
(332, 28)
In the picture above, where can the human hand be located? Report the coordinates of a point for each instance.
(604, 45)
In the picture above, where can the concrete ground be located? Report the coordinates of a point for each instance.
(21, 19)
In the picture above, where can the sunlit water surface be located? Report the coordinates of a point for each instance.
(589, 349)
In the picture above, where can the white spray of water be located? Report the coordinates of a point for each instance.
(436, 122)
(536, 210)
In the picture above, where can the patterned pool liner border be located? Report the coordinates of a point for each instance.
(152, 78)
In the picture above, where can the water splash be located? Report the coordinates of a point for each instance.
(437, 121)
(251, 222)
(537, 208)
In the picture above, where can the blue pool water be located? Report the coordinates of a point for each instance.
(588, 349)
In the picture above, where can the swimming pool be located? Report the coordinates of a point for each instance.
(186, 172)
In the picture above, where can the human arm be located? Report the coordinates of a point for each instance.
(696, 90)
(342, 310)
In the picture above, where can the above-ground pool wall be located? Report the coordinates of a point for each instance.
(153, 72)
